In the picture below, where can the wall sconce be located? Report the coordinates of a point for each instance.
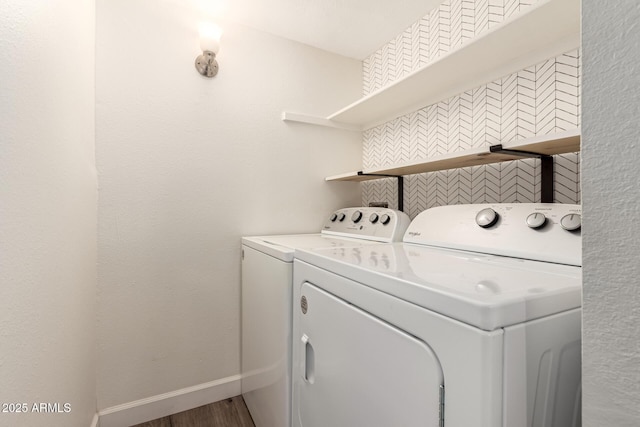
(206, 63)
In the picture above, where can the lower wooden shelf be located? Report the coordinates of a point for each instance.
(542, 145)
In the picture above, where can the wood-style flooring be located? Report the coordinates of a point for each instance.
(226, 413)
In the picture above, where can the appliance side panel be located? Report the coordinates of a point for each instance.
(544, 355)
(266, 348)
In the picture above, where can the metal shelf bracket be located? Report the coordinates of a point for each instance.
(400, 179)
(546, 173)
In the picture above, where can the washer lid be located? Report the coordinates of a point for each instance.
(486, 291)
(283, 246)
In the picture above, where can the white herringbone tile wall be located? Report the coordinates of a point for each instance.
(541, 99)
(445, 28)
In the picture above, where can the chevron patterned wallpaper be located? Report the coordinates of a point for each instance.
(541, 99)
(446, 28)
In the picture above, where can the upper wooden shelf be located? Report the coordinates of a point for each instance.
(558, 143)
(545, 30)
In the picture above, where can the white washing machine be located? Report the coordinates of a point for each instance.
(473, 321)
(267, 269)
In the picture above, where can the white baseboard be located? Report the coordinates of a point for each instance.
(159, 406)
(96, 421)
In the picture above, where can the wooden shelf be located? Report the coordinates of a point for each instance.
(545, 30)
(558, 143)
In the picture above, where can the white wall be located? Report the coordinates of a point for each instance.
(187, 165)
(48, 200)
(610, 158)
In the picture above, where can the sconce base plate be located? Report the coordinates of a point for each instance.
(206, 64)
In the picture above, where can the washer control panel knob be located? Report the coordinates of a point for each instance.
(527, 231)
(571, 222)
(536, 220)
(368, 222)
(487, 218)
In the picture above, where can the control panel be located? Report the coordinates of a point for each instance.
(540, 231)
(372, 223)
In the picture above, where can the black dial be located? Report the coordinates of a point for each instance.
(373, 218)
(333, 217)
(341, 216)
(385, 219)
(356, 217)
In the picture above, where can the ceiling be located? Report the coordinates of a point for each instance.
(353, 28)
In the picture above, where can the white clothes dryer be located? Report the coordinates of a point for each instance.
(473, 321)
(267, 271)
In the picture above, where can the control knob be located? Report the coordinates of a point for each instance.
(571, 222)
(385, 219)
(373, 218)
(487, 218)
(536, 220)
(341, 216)
(333, 218)
(356, 217)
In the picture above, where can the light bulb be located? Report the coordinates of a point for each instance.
(210, 37)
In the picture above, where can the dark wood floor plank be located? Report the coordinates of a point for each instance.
(225, 413)
(160, 422)
(196, 417)
(244, 417)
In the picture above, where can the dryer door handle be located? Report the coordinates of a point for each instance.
(308, 360)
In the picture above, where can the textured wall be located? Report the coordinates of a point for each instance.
(541, 99)
(48, 200)
(187, 165)
(610, 156)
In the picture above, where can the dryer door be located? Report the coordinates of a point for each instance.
(357, 370)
